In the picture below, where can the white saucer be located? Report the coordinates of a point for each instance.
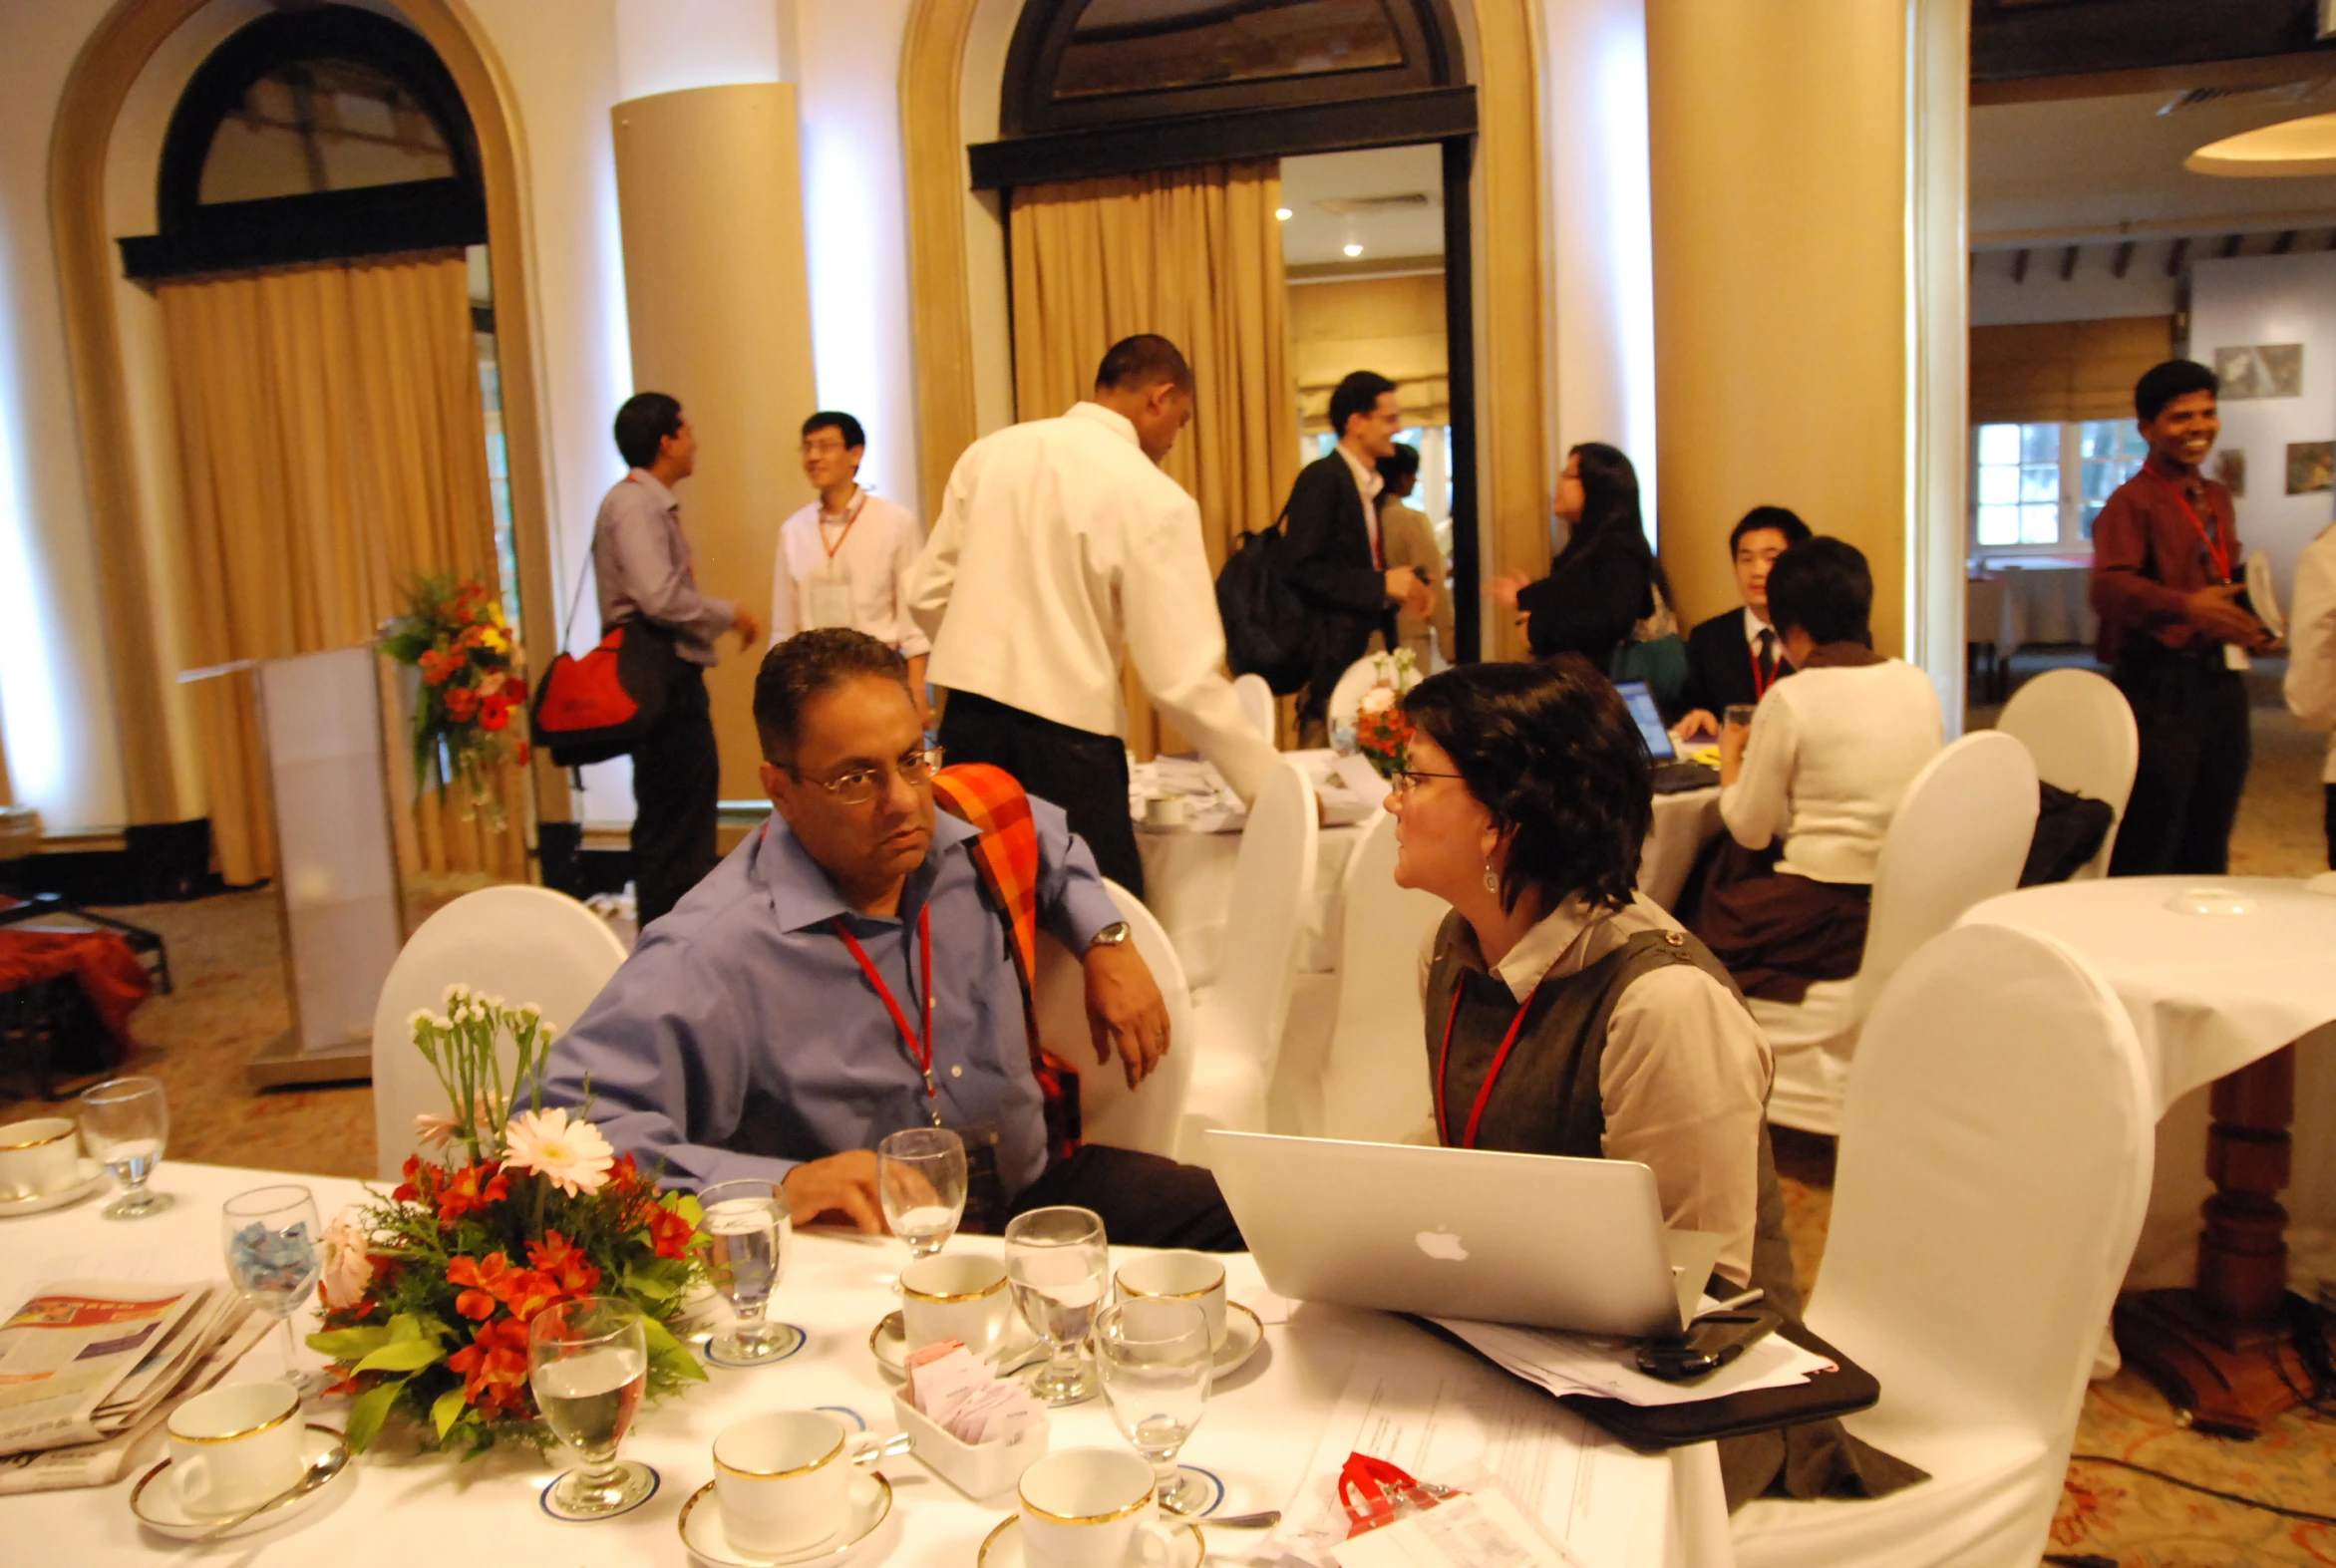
(1171, 1548)
(701, 1528)
(888, 1343)
(88, 1179)
(1244, 1331)
(156, 1497)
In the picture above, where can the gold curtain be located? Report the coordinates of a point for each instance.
(333, 447)
(1193, 254)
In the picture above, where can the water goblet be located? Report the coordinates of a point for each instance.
(920, 1176)
(1155, 1360)
(588, 1363)
(275, 1252)
(124, 1122)
(748, 1234)
(1058, 1264)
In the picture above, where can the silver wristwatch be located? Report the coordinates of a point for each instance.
(1113, 935)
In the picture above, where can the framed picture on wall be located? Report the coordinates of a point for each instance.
(2311, 466)
(2268, 370)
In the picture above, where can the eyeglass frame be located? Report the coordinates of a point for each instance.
(931, 755)
(1406, 779)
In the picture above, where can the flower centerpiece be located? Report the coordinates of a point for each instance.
(428, 1292)
(1382, 734)
(454, 632)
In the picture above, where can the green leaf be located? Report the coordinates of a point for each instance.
(686, 1204)
(641, 1283)
(369, 1409)
(670, 1354)
(407, 1326)
(447, 1411)
(404, 1355)
(349, 1343)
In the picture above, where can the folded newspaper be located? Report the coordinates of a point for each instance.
(89, 1368)
(1608, 1368)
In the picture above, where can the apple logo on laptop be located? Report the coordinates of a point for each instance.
(1442, 1245)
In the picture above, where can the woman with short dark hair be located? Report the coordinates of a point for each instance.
(1809, 789)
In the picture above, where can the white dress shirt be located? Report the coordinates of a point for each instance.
(2311, 641)
(1059, 547)
(1829, 757)
(1684, 1076)
(866, 551)
(1368, 484)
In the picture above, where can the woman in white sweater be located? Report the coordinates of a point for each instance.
(1808, 791)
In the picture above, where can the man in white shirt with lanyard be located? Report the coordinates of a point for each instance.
(844, 559)
(1059, 544)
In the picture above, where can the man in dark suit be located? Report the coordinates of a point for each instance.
(1337, 563)
(1734, 657)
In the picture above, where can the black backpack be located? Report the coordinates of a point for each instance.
(2070, 830)
(1268, 630)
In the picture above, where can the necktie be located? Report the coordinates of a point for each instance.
(1767, 657)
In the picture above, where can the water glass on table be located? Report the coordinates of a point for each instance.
(1156, 1361)
(1059, 1266)
(748, 1234)
(588, 1365)
(274, 1254)
(920, 1177)
(124, 1122)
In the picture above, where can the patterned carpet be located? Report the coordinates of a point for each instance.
(227, 956)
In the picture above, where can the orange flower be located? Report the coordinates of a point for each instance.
(494, 713)
(493, 1366)
(472, 1188)
(514, 691)
(669, 1233)
(461, 704)
(479, 1302)
(438, 667)
(560, 1260)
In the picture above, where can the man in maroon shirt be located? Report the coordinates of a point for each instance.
(2174, 632)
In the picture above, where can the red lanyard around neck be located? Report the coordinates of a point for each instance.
(921, 1048)
(2216, 547)
(1468, 1138)
(850, 517)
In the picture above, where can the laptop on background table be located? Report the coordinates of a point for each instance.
(1673, 773)
(1571, 1244)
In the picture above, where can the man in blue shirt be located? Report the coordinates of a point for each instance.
(840, 977)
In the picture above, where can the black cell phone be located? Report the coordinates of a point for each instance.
(1707, 1344)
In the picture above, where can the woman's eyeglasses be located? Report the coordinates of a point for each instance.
(863, 785)
(1408, 778)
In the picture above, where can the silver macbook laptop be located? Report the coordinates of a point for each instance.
(1573, 1244)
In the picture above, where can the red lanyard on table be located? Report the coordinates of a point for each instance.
(921, 1048)
(1491, 1074)
(850, 517)
(2217, 547)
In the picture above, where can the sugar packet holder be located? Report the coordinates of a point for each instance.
(955, 1390)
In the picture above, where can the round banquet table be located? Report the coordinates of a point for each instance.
(2207, 994)
(396, 1509)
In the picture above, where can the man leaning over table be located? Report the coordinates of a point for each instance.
(763, 1028)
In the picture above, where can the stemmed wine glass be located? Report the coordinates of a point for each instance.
(920, 1174)
(1058, 1264)
(750, 1234)
(1155, 1358)
(274, 1255)
(124, 1122)
(588, 1363)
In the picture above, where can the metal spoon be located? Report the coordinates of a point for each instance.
(320, 1470)
(1230, 1521)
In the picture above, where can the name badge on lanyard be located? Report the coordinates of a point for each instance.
(827, 601)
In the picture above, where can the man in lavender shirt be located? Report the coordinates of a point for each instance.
(840, 977)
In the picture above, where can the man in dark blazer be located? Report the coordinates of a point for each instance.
(1336, 563)
(1734, 657)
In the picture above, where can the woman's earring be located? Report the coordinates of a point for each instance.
(1492, 878)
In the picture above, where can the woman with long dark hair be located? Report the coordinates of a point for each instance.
(1601, 584)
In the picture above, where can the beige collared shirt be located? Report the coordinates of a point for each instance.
(1684, 1079)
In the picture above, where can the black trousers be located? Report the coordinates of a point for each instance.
(1145, 1199)
(1083, 772)
(2193, 715)
(677, 778)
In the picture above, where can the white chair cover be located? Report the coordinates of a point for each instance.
(1256, 700)
(1237, 1023)
(1346, 697)
(1149, 1116)
(1995, 1163)
(2079, 730)
(1370, 1082)
(1960, 835)
(522, 943)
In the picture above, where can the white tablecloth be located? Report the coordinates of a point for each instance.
(1684, 823)
(2041, 603)
(1258, 1433)
(2208, 995)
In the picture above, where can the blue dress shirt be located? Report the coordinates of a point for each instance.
(742, 1039)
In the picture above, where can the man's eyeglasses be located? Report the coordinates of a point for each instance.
(1408, 778)
(863, 785)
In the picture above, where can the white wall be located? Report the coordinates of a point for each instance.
(2092, 294)
(2251, 300)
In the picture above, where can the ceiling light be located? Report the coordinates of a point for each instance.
(2293, 147)
(1282, 214)
(1354, 250)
